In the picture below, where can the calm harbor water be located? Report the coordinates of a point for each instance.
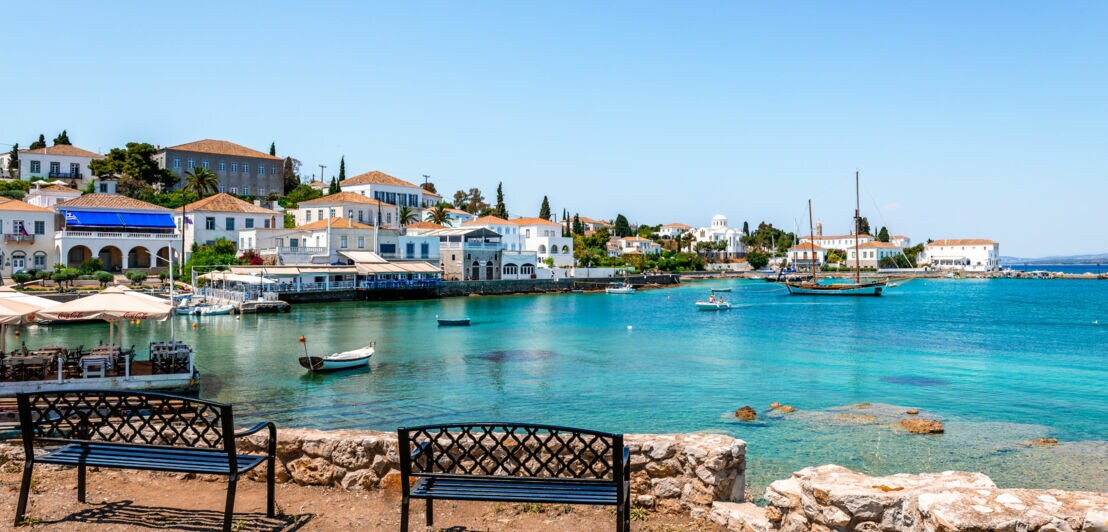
(1000, 361)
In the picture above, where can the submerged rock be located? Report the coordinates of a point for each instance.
(1045, 442)
(784, 409)
(912, 411)
(774, 405)
(857, 419)
(922, 426)
(746, 413)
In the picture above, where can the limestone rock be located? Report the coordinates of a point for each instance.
(1045, 442)
(912, 411)
(744, 517)
(857, 419)
(308, 471)
(787, 409)
(922, 426)
(746, 413)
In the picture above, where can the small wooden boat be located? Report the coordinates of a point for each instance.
(620, 288)
(715, 305)
(721, 289)
(336, 361)
(215, 310)
(453, 322)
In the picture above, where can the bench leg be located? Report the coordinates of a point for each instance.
(229, 510)
(269, 503)
(404, 514)
(430, 513)
(24, 491)
(81, 483)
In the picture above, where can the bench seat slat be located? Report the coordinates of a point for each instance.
(140, 457)
(506, 490)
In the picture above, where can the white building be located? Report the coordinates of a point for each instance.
(60, 161)
(545, 239)
(633, 244)
(319, 242)
(517, 265)
(28, 237)
(350, 205)
(674, 230)
(417, 247)
(901, 240)
(971, 255)
(512, 238)
(419, 228)
(805, 256)
(223, 216)
(719, 232)
(385, 188)
(123, 232)
(430, 199)
(50, 195)
(592, 224)
(871, 253)
(842, 242)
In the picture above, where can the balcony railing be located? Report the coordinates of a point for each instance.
(117, 235)
(66, 175)
(19, 239)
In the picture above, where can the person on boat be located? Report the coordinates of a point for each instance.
(712, 298)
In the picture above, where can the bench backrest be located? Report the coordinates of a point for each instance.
(140, 418)
(510, 450)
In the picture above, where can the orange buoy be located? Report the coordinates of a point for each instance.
(194, 326)
(302, 338)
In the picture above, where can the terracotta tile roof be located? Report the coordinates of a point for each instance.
(346, 197)
(836, 237)
(433, 194)
(806, 246)
(459, 211)
(587, 220)
(533, 221)
(336, 223)
(63, 149)
(877, 244)
(7, 204)
(902, 237)
(376, 178)
(317, 184)
(111, 201)
(963, 242)
(58, 188)
(678, 225)
(425, 225)
(226, 203)
(222, 147)
(635, 239)
(488, 220)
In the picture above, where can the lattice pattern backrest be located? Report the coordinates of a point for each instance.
(123, 417)
(513, 450)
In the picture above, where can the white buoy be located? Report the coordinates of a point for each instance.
(629, 327)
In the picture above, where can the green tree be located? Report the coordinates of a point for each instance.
(461, 200)
(134, 188)
(90, 265)
(438, 214)
(290, 174)
(621, 228)
(476, 201)
(13, 162)
(134, 161)
(38, 144)
(863, 226)
(333, 188)
(299, 194)
(578, 227)
(407, 215)
(201, 181)
(136, 277)
(290, 221)
(342, 168)
(104, 278)
(746, 228)
(544, 209)
(501, 209)
(62, 138)
(757, 259)
(428, 185)
(883, 234)
(273, 149)
(219, 253)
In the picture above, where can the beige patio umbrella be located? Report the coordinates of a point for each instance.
(13, 312)
(6, 292)
(115, 304)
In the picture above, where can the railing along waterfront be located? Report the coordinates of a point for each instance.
(117, 235)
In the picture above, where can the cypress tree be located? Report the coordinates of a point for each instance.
(746, 228)
(62, 138)
(621, 227)
(578, 227)
(544, 210)
(883, 235)
(342, 168)
(13, 162)
(501, 209)
(38, 144)
(273, 149)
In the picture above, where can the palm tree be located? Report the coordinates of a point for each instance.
(408, 215)
(201, 181)
(439, 215)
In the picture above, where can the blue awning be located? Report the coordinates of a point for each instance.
(147, 220)
(93, 219)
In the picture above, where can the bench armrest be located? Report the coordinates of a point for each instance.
(271, 448)
(626, 463)
(420, 448)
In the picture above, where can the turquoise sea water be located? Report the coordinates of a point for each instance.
(1000, 361)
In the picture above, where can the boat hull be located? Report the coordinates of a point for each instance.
(862, 290)
(713, 306)
(323, 364)
(620, 290)
(461, 322)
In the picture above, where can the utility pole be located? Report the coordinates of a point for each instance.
(321, 167)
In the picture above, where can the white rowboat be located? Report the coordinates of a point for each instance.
(344, 360)
(620, 288)
(704, 305)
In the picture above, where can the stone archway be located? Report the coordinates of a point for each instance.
(112, 258)
(139, 257)
(76, 255)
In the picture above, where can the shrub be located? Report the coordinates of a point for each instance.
(104, 278)
(63, 276)
(21, 277)
(91, 265)
(135, 277)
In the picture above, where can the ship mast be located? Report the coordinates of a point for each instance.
(857, 229)
(812, 240)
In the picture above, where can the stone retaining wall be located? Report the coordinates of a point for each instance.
(669, 472)
(831, 497)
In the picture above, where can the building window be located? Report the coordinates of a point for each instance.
(267, 223)
(249, 223)
(40, 260)
(209, 223)
(342, 242)
(424, 250)
(409, 250)
(222, 166)
(234, 190)
(190, 164)
(55, 168)
(230, 224)
(261, 169)
(40, 227)
(74, 169)
(361, 242)
(246, 168)
(361, 216)
(388, 218)
(319, 213)
(204, 164)
(222, 188)
(36, 167)
(261, 191)
(234, 167)
(176, 162)
(246, 190)
(307, 216)
(272, 170)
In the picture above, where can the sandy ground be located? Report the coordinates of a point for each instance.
(136, 500)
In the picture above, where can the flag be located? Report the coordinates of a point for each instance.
(23, 230)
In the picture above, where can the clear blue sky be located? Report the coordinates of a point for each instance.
(982, 120)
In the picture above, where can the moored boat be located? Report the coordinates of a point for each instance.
(453, 322)
(714, 305)
(620, 288)
(215, 310)
(336, 361)
(721, 289)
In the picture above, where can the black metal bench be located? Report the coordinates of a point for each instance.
(137, 430)
(514, 463)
